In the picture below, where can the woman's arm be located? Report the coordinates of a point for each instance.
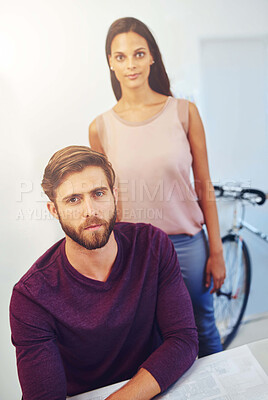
(205, 192)
(94, 140)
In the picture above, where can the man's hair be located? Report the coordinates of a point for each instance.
(73, 159)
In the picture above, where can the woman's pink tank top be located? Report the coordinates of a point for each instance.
(152, 161)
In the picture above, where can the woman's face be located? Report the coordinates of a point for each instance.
(130, 59)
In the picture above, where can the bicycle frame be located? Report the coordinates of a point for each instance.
(256, 232)
(239, 223)
(238, 219)
(237, 226)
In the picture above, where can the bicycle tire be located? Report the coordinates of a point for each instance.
(231, 300)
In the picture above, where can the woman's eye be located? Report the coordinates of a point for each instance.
(120, 57)
(140, 54)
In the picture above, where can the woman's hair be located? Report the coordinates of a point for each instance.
(158, 79)
(73, 159)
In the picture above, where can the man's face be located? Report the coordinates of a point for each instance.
(85, 207)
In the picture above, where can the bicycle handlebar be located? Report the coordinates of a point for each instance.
(260, 199)
(253, 196)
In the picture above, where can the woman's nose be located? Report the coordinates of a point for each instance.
(131, 63)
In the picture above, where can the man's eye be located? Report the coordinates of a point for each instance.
(99, 193)
(73, 200)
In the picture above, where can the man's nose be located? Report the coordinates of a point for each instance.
(89, 208)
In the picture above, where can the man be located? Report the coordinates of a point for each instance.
(105, 304)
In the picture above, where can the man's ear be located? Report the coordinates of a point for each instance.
(52, 209)
(115, 193)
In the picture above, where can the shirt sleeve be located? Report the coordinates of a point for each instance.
(175, 320)
(39, 363)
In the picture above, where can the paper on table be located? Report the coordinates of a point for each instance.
(230, 375)
(99, 394)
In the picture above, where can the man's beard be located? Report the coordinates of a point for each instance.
(91, 240)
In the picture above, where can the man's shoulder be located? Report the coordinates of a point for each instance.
(147, 245)
(45, 262)
(130, 228)
(136, 233)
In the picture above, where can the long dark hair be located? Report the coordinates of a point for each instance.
(158, 79)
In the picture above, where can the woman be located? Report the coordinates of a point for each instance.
(152, 141)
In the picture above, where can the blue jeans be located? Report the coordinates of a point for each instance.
(192, 254)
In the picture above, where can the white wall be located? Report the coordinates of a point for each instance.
(54, 80)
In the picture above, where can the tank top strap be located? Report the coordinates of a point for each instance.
(183, 113)
(99, 124)
(101, 129)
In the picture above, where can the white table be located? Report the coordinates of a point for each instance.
(241, 372)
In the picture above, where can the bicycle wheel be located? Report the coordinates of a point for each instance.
(231, 300)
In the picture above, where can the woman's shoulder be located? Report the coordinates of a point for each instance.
(193, 111)
(186, 106)
(181, 100)
(94, 134)
(92, 129)
(93, 126)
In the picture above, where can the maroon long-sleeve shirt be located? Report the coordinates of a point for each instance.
(74, 334)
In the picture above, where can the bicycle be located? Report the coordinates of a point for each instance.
(231, 300)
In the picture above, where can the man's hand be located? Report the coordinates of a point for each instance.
(142, 386)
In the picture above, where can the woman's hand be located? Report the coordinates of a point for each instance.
(215, 269)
